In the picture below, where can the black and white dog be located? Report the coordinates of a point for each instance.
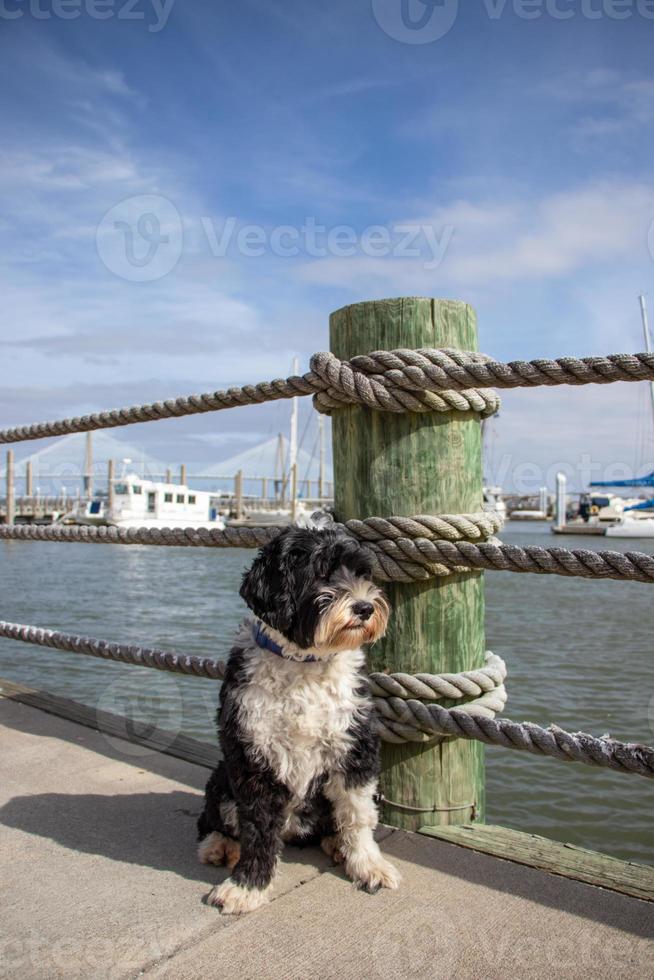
(300, 754)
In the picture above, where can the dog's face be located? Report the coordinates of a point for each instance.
(315, 588)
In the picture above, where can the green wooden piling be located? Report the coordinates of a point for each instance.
(407, 464)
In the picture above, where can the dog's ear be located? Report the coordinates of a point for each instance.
(269, 587)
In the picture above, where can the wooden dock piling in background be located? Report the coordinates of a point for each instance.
(111, 485)
(11, 491)
(238, 495)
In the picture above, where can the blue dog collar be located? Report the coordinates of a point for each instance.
(265, 643)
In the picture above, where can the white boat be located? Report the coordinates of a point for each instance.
(275, 517)
(296, 511)
(605, 508)
(631, 527)
(631, 517)
(144, 503)
(527, 515)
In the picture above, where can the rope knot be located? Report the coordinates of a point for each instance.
(398, 381)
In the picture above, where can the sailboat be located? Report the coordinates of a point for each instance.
(493, 496)
(636, 519)
(294, 510)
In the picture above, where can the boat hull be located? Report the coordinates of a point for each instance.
(632, 529)
(171, 524)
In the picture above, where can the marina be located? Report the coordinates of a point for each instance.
(141, 601)
(434, 701)
(326, 490)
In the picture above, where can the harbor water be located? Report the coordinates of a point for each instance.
(579, 653)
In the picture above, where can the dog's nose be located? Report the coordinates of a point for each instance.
(363, 610)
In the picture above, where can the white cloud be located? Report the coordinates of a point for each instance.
(593, 226)
(609, 102)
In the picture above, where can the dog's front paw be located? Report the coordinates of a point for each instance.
(219, 849)
(233, 899)
(373, 873)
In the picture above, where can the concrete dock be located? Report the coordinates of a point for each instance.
(100, 879)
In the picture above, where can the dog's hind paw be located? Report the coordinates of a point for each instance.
(219, 849)
(331, 847)
(233, 899)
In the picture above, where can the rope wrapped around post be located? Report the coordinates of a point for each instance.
(397, 558)
(424, 380)
(457, 370)
(525, 736)
(401, 716)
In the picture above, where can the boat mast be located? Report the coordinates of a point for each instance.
(321, 470)
(88, 466)
(293, 446)
(648, 341)
(280, 474)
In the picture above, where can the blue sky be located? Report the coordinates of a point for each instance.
(516, 151)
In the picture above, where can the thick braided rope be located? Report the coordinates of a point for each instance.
(399, 560)
(425, 380)
(423, 722)
(387, 566)
(486, 685)
(179, 537)
(343, 384)
(467, 684)
(525, 736)
(373, 531)
(411, 721)
(120, 652)
(456, 370)
(328, 375)
(421, 560)
(214, 401)
(445, 527)
(396, 697)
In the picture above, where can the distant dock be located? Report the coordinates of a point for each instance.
(35, 510)
(599, 530)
